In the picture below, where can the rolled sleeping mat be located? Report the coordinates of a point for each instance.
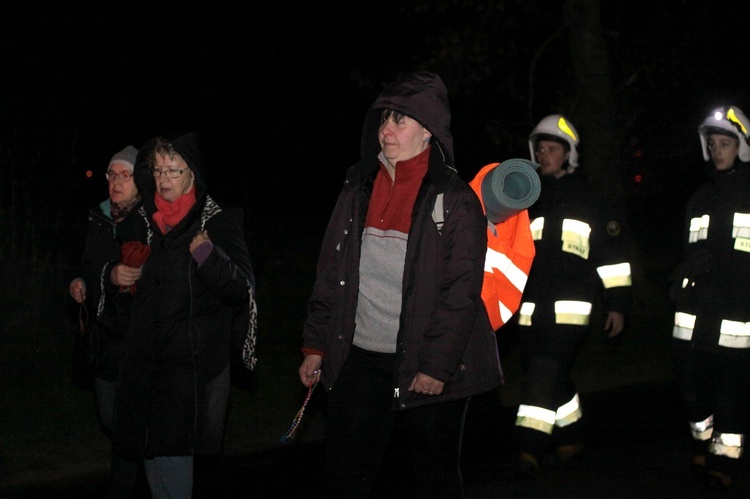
(511, 187)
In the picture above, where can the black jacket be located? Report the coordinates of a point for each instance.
(444, 331)
(564, 275)
(101, 251)
(170, 401)
(717, 260)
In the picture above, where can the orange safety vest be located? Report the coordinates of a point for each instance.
(508, 261)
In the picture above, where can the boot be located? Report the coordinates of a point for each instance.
(716, 480)
(698, 467)
(527, 466)
(566, 452)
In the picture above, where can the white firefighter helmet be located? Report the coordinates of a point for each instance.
(558, 126)
(728, 120)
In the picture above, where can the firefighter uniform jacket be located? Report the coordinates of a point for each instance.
(580, 245)
(710, 286)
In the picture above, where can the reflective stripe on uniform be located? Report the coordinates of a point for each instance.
(576, 313)
(525, 313)
(702, 430)
(741, 226)
(683, 326)
(575, 237)
(727, 444)
(616, 275)
(572, 312)
(535, 418)
(698, 228)
(734, 334)
(537, 227)
(569, 412)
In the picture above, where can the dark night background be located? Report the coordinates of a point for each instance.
(278, 91)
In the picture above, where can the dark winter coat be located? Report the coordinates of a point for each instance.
(717, 259)
(174, 385)
(101, 251)
(444, 330)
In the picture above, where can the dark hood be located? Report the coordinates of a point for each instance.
(188, 146)
(422, 96)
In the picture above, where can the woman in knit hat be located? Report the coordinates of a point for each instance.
(101, 250)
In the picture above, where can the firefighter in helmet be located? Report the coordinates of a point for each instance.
(581, 250)
(711, 333)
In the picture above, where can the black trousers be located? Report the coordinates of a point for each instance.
(714, 382)
(547, 359)
(360, 424)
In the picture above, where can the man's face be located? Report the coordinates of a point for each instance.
(551, 156)
(723, 149)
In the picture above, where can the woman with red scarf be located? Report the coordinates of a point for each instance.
(195, 281)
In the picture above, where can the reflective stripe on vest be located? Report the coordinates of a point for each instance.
(535, 418)
(510, 252)
(727, 444)
(496, 262)
(616, 275)
(683, 326)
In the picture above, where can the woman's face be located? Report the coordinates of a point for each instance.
(121, 191)
(403, 139)
(172, 188)
(723, 149)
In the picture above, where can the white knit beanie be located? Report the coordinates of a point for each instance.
(125, 157)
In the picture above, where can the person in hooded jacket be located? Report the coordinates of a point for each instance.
(711, 334)
(396, 329)
(194, 274)
(102, 250)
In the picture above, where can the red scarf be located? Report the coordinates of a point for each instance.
(168, 213)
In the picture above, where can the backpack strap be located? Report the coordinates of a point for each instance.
(437, 212)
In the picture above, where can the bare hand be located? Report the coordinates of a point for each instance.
(309, 371)
(77, 290)
(615, 324)
(200, 238)
(426, 385)
(122, 275)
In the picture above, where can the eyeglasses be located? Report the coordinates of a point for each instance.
(169, 173)
(123, 176)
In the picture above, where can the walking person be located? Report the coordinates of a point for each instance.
(396, 329)
(101, 251)
(711, 336)
(195, 275)
(581, 250)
